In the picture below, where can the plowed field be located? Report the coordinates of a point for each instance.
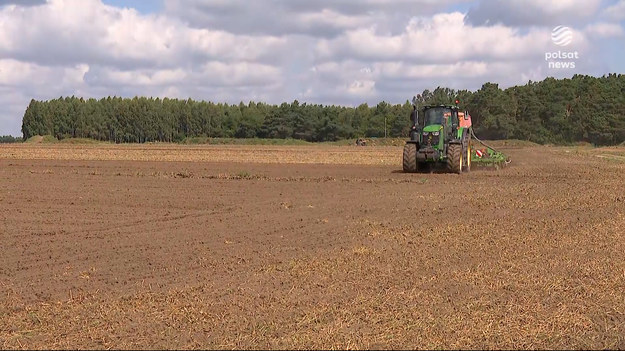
(106, 246)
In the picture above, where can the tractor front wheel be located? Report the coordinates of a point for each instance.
(467, 166)
(455, 158)
(410, 158)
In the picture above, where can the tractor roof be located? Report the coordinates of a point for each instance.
(453, 107)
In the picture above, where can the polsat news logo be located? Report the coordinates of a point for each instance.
(561, 36)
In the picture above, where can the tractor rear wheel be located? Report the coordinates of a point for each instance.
(455, 158)
(410, 158)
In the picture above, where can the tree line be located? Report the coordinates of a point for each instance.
(582, 108)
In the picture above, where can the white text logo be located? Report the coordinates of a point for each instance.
(562, 36)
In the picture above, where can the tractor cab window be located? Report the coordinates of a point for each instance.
(437, 115)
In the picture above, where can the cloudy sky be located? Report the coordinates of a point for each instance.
(326, 51)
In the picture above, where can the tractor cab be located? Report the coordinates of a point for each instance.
(437, 123)
(439, 115)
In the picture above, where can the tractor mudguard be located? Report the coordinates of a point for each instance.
(416, 142)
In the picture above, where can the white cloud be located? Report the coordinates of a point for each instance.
(533, 12)
(240, 74)
(445, 38)
(76, 31)
(111, 77)
(327, 17)
(321, 18)
(362, 88)
(465, 69)
(616, 11)
(605, 30)
(22, 2)
(17, 73)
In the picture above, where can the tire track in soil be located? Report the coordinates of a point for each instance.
(108, 246)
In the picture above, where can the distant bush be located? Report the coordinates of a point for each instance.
(49, 139)
(79, 141)
(8, 139)
(45, 139)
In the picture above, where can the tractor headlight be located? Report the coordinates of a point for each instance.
(436, 133)
(425, 133)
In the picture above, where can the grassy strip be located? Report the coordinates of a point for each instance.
(235, 141)
(512, 143)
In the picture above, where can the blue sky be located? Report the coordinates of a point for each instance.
(143, 6)
(331, 52)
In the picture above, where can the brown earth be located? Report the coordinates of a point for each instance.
(308, 247)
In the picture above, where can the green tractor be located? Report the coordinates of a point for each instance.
(441, 137)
